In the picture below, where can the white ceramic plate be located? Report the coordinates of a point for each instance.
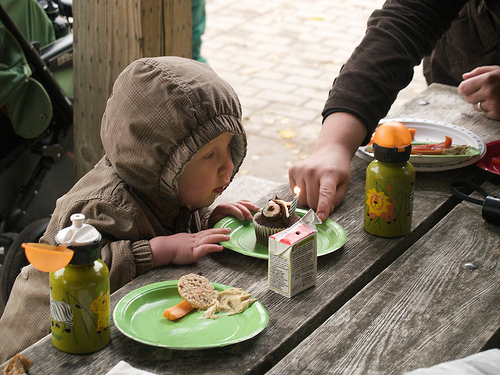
(430, 131)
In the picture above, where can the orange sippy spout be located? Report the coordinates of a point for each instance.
(47, 258)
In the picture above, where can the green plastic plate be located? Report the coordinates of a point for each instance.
(139, 315)
(331, 236)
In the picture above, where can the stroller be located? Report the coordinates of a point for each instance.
(36, 119)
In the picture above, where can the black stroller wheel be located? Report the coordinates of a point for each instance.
(15, 259)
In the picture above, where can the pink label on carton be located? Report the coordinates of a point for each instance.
(293, 234)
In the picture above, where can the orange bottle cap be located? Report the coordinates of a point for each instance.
(392, 134)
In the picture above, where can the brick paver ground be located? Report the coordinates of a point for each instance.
(281, 58)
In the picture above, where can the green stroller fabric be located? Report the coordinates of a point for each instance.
(31, 19)
(27, 102)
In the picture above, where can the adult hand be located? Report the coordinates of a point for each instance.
(481, 87)
(186, 248)
(324, 177)
(242, 210)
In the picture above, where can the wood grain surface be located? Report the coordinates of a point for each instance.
(431, 305)
(380, 305)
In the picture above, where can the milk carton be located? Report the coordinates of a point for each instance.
(292, 265)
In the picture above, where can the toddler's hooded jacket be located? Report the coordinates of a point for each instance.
(161, 112)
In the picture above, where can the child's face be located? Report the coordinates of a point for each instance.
(207, 174)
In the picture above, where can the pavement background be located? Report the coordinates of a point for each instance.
(281, 58)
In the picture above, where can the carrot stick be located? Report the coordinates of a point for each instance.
(412, 132)
(178, 311)
(495, 161)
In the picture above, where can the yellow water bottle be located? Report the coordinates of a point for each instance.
(79, 292)
(390, 181)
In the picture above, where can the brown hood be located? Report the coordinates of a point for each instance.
(161, 112)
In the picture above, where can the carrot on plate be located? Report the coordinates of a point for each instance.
(178, 311)
(495, 160)
(412, 132)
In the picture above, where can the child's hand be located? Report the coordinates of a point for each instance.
(242, 210)
(186, 248)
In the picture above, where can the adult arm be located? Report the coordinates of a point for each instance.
(397, 38)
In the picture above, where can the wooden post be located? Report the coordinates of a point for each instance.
(108, 35)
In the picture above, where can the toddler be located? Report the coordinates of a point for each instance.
(173, 141)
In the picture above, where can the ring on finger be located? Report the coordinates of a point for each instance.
(479, 107)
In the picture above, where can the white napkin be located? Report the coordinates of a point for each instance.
(483, 363)
(123, 368)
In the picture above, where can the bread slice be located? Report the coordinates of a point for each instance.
(18, 365)
(197, 290)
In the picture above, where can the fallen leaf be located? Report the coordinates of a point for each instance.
(287, 134)
(249, 71)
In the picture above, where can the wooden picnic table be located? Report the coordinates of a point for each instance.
(380, 305)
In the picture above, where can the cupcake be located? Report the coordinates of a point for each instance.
(273, 218)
